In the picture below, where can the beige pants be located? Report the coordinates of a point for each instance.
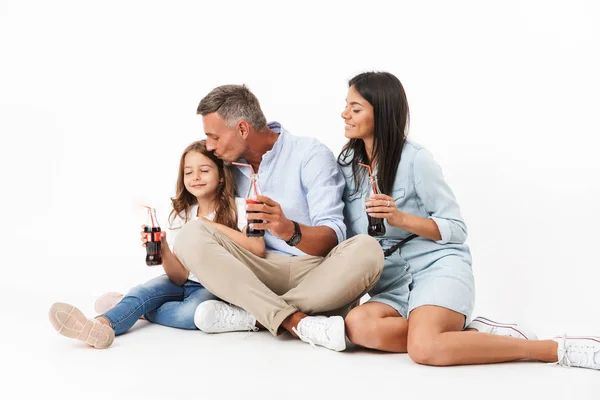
(277, 286)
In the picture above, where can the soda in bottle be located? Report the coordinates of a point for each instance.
(253, 192)
(152, 230)
(376, 226)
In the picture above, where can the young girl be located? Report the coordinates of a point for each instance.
(205, 190)
(425, 295)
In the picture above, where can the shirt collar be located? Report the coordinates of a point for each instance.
(277, 128)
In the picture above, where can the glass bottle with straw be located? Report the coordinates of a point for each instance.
(152, 230)
(375, 227)
(251, 196)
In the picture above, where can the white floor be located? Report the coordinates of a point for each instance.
(155, 362)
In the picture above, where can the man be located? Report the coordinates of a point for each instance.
(309, 268)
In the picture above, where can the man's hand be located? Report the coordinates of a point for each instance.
(273, 218)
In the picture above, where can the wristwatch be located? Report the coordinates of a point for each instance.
(296, 237)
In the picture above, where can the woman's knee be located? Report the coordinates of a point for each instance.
(361, 327)
(426, 349)
(420, 349)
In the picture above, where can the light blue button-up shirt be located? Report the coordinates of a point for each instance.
(303, 176)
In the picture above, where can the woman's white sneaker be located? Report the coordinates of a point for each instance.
(502, 329)
(578, 351)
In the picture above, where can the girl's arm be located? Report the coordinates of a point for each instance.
(174, 269)
(176, 272)
(255, 245)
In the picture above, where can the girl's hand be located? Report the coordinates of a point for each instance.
(163, 237)
(383, 206)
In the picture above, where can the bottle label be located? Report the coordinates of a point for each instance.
(153, 236)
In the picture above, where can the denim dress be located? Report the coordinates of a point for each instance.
(423, 271)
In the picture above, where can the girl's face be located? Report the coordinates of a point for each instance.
(359, 116)
(200, 175)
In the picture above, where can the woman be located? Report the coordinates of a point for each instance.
(425, 295)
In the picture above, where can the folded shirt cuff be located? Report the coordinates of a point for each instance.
(338, 231)
(445, 229)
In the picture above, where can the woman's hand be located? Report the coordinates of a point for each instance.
(383, 206)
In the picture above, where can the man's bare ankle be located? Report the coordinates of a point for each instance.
(292, 322)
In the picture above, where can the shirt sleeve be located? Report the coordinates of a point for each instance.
(323, 184)
(438, 199)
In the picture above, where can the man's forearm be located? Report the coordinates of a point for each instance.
(317, 240)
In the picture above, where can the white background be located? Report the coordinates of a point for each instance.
(98, 99)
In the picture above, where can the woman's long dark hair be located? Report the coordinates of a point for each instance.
(391, 117)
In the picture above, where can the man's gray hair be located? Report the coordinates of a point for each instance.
(233, 103)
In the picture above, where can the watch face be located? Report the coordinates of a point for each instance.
(295, 239)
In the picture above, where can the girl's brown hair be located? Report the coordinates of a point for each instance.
(226, 210)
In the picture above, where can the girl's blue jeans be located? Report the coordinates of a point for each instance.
(160, 301)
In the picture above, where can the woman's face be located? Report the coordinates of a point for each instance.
(359, 117)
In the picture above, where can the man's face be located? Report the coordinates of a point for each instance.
(226, 142)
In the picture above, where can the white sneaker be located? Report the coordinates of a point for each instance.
(581, 352)
(323, 331)
(502, 329)
(214, 316)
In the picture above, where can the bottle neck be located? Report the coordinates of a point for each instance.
(152, 221)
(374, 186)
(253, 190)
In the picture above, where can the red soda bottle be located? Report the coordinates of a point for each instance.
(376, 226)
(253, 192)
(152, 230)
